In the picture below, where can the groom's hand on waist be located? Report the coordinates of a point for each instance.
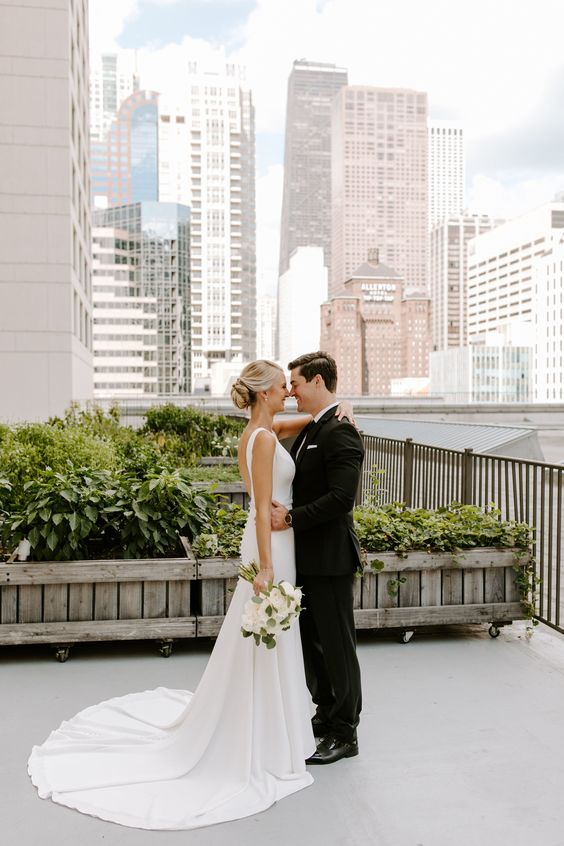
(278, 517)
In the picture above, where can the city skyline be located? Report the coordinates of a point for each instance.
(495, 80)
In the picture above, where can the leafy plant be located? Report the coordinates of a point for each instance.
(150, 515)
(202, 433)
(223, 533)
(455, 527)
(64, 515)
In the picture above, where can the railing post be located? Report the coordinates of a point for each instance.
(467, 476)
(408, 472)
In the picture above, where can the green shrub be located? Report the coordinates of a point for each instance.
(26, 452)
(395, 528)
(150, 515)
(85, 514)
(201, 433)
(223, 533)
(64, 515)
(220, 473)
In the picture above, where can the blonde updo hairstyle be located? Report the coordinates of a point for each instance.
(255, 377)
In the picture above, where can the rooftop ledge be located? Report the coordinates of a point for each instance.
(461, 743)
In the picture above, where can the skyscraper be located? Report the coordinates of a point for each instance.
(446, 170)
(112, 79)
(306, 203)
(448, 276)
(125, 164)
(45, 311)
(379, 182)
(125, 331)
(207, 161)
(157, 260)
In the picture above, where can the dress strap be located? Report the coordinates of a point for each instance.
(249, 452)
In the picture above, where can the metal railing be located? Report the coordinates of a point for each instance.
(423, 476)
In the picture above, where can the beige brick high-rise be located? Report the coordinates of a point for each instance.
(376, 331)
(379, 182)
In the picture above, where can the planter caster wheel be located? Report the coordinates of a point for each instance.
(165, 648)
(406, 636)
(62, 654)
(494, 631)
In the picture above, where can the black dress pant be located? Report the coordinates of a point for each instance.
(329, 648)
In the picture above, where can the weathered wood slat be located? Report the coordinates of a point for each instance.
(218, 568)
(30, 604)
(130, 601)
(74, 572)
(81, 601)
(369, 590)
(431, 587)
(55, 603)
(230, 585)
(8, 604)
(494, 588)
(212, 597)
(357, 592)
(410, 590)
(380, 618)
(452, 587)
(473, 587)
(105, 601)
(511, 588)
(154, 600)
(465, 560)
(387, 597)
(75, 632)
(179, 599)
(208, 626)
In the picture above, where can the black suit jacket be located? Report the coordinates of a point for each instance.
(327, 474)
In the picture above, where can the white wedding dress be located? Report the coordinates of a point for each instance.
(171, 759)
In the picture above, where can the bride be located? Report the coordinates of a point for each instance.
(171, 759)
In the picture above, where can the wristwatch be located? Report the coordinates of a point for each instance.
(288, 519)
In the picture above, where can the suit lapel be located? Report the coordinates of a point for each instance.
(310, 435)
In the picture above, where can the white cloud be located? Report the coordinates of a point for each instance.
(488, 195)
(488, 63)
(107, 21)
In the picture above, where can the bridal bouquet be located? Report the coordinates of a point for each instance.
(272, 612)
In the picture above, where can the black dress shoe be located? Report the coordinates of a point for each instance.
(332, 749)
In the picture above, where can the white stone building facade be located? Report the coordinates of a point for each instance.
(446, 169)
(45, 266)
(207, 161)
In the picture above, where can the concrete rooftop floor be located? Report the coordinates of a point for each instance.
(461, 740)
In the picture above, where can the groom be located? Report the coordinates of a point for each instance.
(328, 456)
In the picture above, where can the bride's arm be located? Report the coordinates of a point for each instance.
(263, 458)
(287, 427)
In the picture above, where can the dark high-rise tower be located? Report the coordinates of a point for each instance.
(306, 205)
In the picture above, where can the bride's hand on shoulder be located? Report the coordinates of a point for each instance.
(345, 409)
(263, 579)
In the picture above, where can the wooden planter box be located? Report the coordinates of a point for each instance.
(476, 586)
(473, 586)
(62, 603)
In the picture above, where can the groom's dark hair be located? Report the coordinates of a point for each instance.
(315, 363)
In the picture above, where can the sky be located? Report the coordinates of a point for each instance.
(496, 65)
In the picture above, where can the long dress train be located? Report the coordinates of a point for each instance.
(170, 759)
